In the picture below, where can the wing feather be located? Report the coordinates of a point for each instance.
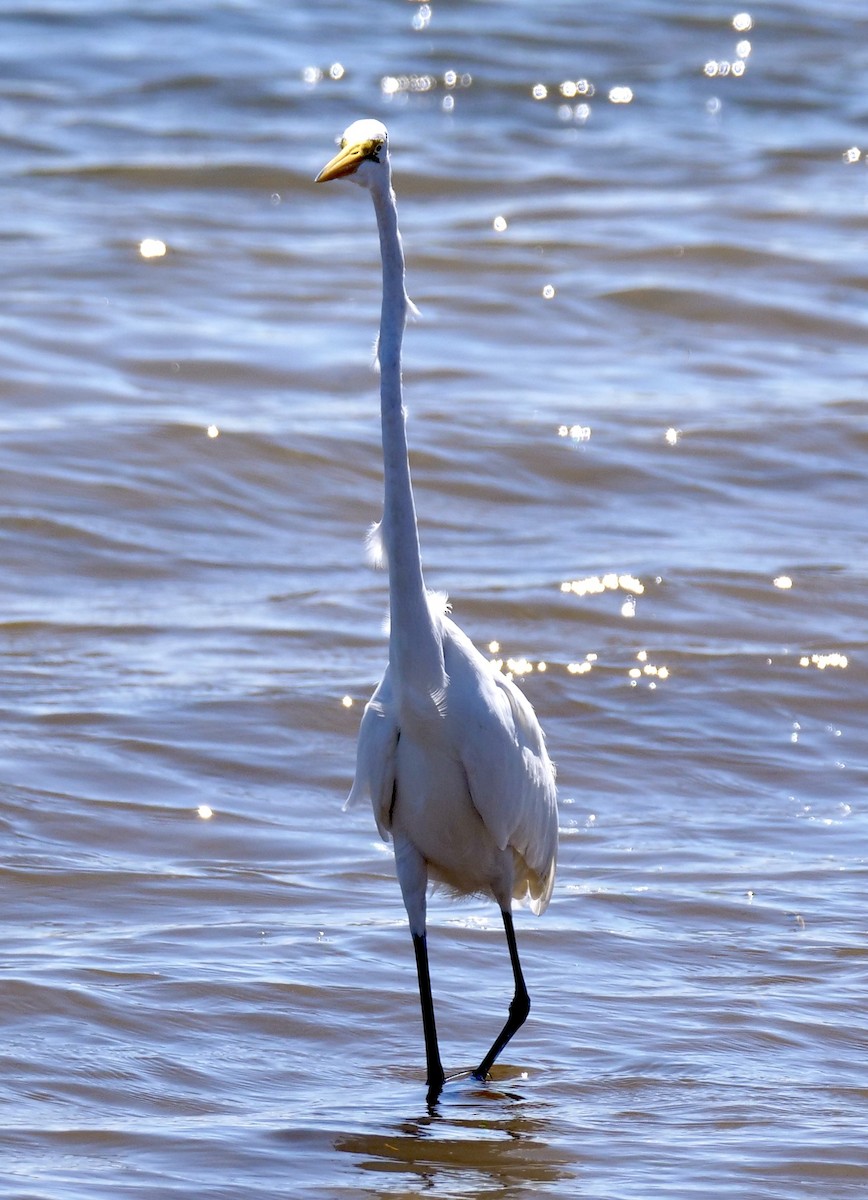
(509, 773)
(375, 756)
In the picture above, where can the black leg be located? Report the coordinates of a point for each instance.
(519, 1008)
(432, 1054)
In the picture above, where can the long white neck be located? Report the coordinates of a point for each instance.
(415, 650)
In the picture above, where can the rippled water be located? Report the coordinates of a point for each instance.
(639, 422)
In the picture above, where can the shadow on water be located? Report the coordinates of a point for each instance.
(478, 1137)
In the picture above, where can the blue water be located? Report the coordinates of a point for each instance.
(638, 425)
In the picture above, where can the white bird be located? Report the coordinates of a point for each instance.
(450, 751)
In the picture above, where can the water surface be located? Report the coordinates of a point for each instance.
(639, 429)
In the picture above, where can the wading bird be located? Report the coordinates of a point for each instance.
(450, 751)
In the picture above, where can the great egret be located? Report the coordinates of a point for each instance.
(450, 751)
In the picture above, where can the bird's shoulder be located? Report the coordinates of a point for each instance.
(480, 694)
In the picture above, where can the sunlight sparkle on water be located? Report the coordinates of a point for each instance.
(511, 667)
(313, 75)
(742, 22)
(422, 18)
(594, 585)
(152, 248)
(821, 661)
(783, 581)
(649, 671)
(578, 433)
(347, 701)
(499, 224)
(570, 88)
(582, 89)
(212, 431)
(721, 68)
(395, 85)
(205, 811)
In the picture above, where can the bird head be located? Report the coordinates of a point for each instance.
(363, 156)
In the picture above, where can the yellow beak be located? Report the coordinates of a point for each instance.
(346, 161)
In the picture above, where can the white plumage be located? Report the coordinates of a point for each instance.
(450, 752)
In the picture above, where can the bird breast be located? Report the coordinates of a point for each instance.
(433, 809)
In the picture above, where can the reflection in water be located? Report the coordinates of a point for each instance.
(465, 1149)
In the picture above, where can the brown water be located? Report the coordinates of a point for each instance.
(639, 425)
